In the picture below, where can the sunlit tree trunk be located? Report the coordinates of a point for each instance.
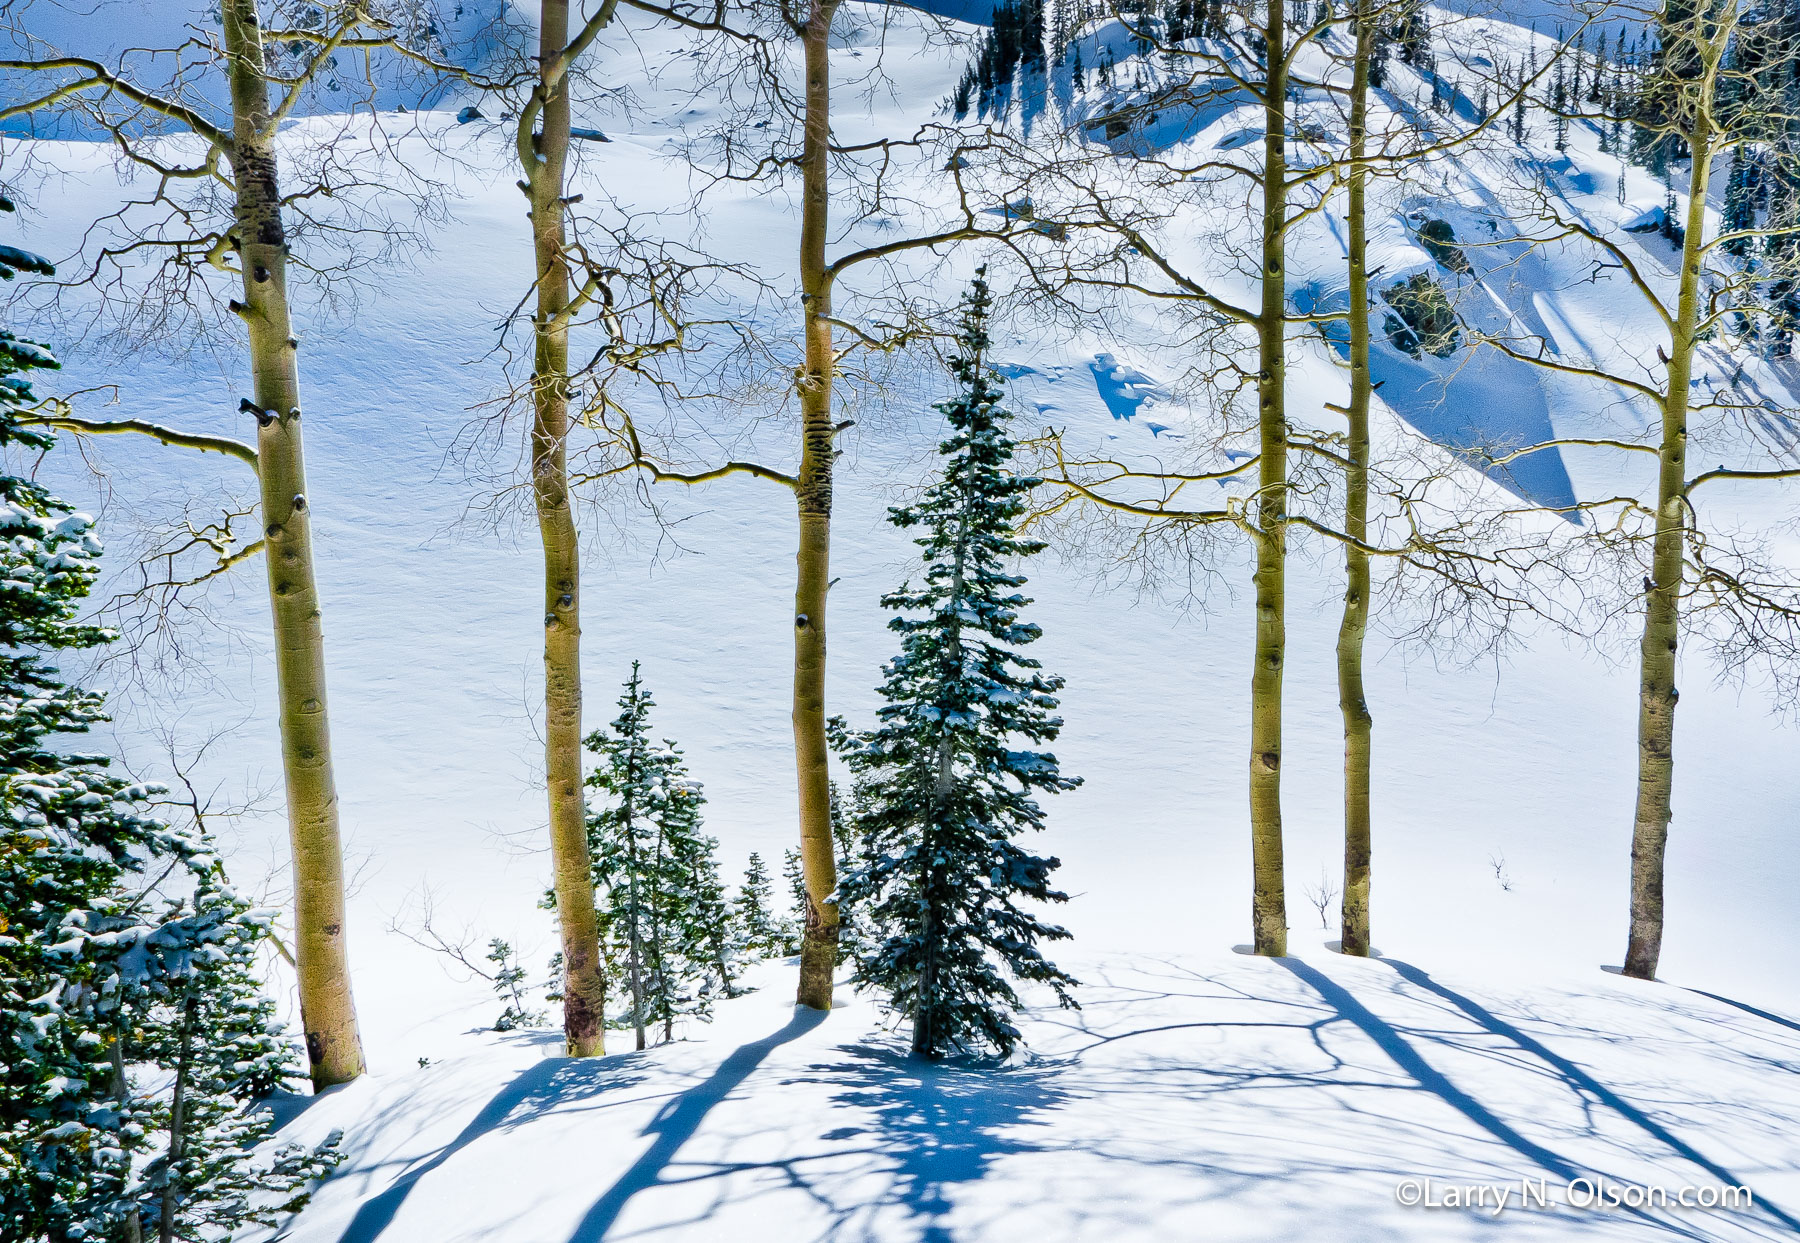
(327, 1010)
(819, 944)
(544, 157)
(1269, 902)
(1662, 604)
(1354, 627)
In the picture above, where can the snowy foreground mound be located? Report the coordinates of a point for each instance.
(1234, 1098)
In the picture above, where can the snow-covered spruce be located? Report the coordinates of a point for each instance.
(755, 921)
(133, 1035)
(793, 875)
(662, 906)
(207, 1041)
(70, 834)
(943, 787)
(847, 840)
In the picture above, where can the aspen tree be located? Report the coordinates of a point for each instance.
(543, 151)
(826, 337)
(1353, 629)
(1693, 100)
(252, 247)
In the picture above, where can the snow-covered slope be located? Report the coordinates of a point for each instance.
(1197, 1096)
(1199, 1093)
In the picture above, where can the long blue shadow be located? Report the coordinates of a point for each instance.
(975, 12)
(678, 1122)
(1485, 406)
(1577, 1077)
(1766, 1015)
(533, 1091)
(1423, 1072)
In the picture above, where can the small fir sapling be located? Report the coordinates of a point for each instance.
(713, 937)
(762, 934)
(947, 778)
(851, 849)
(499, 966)
(794, 926)
(196, 1013)
(510, 984)
(706, 940)
(652, 865)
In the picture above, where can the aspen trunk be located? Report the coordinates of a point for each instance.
(327, 1009)
(819, 944)
(584, 985)
(1269, 901)
(1662, 604)
(1352, 630)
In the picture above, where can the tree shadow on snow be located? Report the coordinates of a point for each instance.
(1766, 1015)
(1411, 1049)
(940, 1126)
(679, 1120)
(1579, 1080)
(537, 1090)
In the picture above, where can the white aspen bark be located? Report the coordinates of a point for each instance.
(819, 944)
(1269, 901)
(544, 157)
(327, 1009)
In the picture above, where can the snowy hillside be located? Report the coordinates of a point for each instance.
(1193, 1096)
(1199, 1092)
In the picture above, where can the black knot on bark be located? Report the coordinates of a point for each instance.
(549, 619)
(565, 599)
(261, 273)
(299, 502)
(273, 530)
(800, 622)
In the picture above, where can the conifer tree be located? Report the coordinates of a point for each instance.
(1559, 105)
(762, 936)
(795, 877)
(87, 966)
(194, 1011)
(706, 938)
(69, 835)
(946, 783)
(846, 833)
(622, 841)
(648, 857)
(1739, 213)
